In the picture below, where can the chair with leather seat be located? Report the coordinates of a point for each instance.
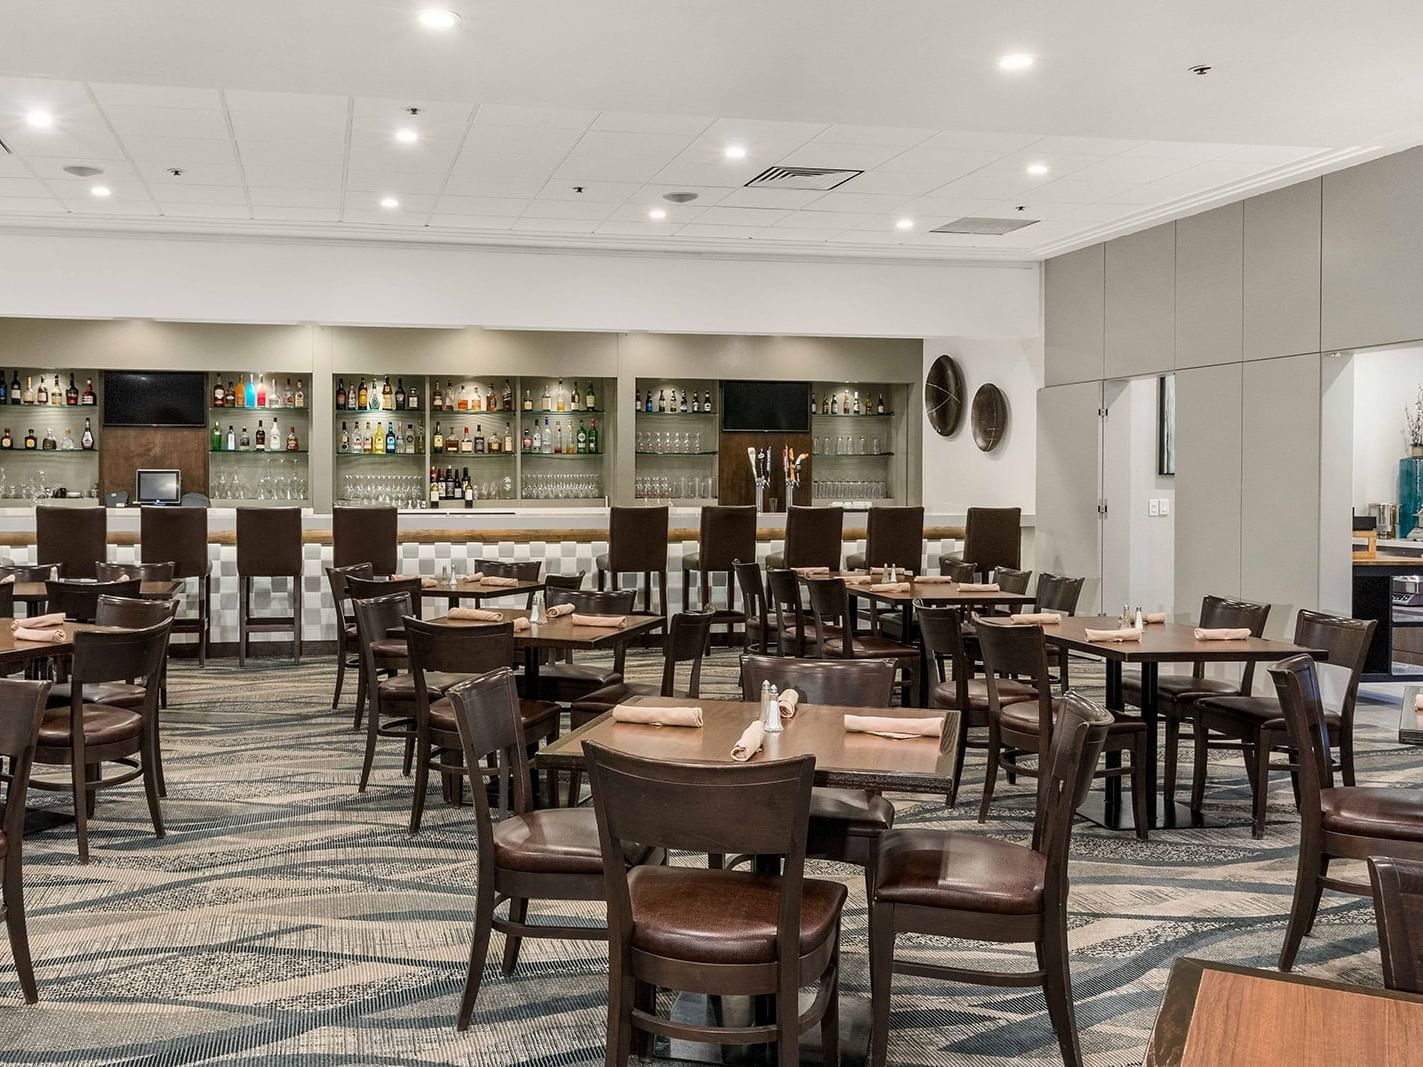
(572, 679)
(1256, 724)
(1016, 653)
(268, 546)
(526, 855)
(814, 538)
(714, 931)
(442, 656)
(1059, 593)
(1345, 822)
(78, 598)
(759, 635)
(845, 824)
(27, 575)
(158, 571)
(181, 534)
(22, 705)
(1398, 910)
(347, 643)
(365, 534)
(727, 534)
(7, 600)
(523, 570)
(637, 544)
(72, 538)
(795, 633)
(893, 535)
(84, 736)
(389, 650)
(830, 607)
(945, 883)
(1176, 694)
(957, 569)
(1012, 580)
(564, 581)
(392, 708)
(993, 538)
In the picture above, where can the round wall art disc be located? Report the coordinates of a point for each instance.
(990, 417)
(943, 396)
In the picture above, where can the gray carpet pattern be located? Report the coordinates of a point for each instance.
(287, 918)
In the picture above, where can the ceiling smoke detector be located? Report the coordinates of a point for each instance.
(79, 171)
(679, 198)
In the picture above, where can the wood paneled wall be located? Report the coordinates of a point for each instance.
(126, 449)
(736, 482)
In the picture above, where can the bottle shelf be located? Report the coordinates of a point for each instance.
(842, 415)
(508, 415)
(264, 454)
(541, 413)
(47, 453)
(676, 414)
(850, 455)
(456, 458)
(259, 411)
(562, 455)
(677, 455)
(345, 413)
(50, 407)
(378, 455)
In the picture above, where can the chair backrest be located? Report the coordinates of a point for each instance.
(728, 534)
(195, 500)
(814, 536)
(71, 537)
(376, 616)
(269, 542)
(593, 601)
(336, 582)
(1297, 686)
(135, 613)
(564, 581)
(1069, 763)
(957, 569)
(359, 588)
(145, 572)
(829, 607)
(179, 534)
(1228, 612)
(993, 538)
(79, 600)
(753, 596)
(22, 706)
(1012, 650)
(758, 808)
(101, 656)
(1345, 643)
(455, 649)
(525, 570)
(1012, 580)
(686, 641)
(364, 534)
(7, 600)
(39, 572)
(1058, 593)
(783, 588)
(895, 535)
(941, 627)
(856, 683)
(1398, 909)
(492, 736)
(637, 539)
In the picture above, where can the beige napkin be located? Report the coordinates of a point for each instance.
(1418, 702)
(979, 587)
(934, 579)
(497, 579)
(1154, 617)
(890, 587)
(125, 577)
(1224, 633)
(428, 581)
(1043, 618)
(857, 579)
(652, 715)
(38, 622)
(476, 614)
(881, 570)
(1111, 636)
(29, 633)
(521, 624)
(472, 579)
(9, 579)
(898, 729)
(614, 622)
(789, 700)
(559, 609)
(749, 743)
(812, 572)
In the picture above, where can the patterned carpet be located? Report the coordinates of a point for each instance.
(288, 919)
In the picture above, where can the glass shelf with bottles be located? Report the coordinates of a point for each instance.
(251, 392)
(455, 487)
(382, 395)
(47, 444)
(258, 440)
(381, 437)
(33, 392)
(548, 397)
(561, 436)
(850, 401)
(684, 401)
(575, 486)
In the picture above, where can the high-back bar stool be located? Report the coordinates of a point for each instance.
(892, 535)
(992, 538)
(365, 535)
(637, 544)
(268, 546)
(813, 538)
(73, 538)
(181, 535)
(728, 535)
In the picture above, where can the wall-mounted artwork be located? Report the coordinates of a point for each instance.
(990, 417)
(943, 396)
(1166, 424)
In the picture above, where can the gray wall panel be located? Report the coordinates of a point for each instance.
(1066, 540)
(1209, 255)
(1073, 320)
(1282, 272)
(1141, 302)
(1208, 421)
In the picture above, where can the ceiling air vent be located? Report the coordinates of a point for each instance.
(982, 227)
(821, 179)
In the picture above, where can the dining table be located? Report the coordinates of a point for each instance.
(1159, 643)
(461, 589)
(1221, 1015)
(35, 593)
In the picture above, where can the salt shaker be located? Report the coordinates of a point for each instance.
(1139, 621)
(773, 712)
(536, 610)
(765, 701)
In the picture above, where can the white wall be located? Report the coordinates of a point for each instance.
(1138, 548)
(1385, 381)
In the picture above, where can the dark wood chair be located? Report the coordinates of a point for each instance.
(944, 883)
(22, 707)
(1012, 580)
(525, 570)
(829, 606)
(392, 709)
(1348, 822)
(714, 931)
(72, 538)
(181, 534)
(268, 546)
(1398, 909)
(564, 581)
(442, 657)
(794, 632)
(893, 535)
(637, 544)
(38, 572)
(7, 599)
(569, 681)
(347, 643)
(727, 534)
(759, 635)
(390, 653)
(1059, 593)
(814, 538)
(957, 569)
(993, 538)
(1017, 654)
(365, 534)
(85, 736)
(161, 571)
(78, 598)
(1256, 724)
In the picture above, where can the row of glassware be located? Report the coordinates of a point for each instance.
(861, 489)
(670, 442)
(649, 487)
(846, 445)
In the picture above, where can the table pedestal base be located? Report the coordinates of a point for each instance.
(736, 1011)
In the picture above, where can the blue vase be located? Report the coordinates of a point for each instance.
(1410, 493)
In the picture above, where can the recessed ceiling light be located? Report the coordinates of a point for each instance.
(437, 18)
(657, 214)
(40, 120)
(101, 191)
(905, 224)
(407, 135)
(390, 203)
(1016, 61)
(734, 151)
(1037, 169)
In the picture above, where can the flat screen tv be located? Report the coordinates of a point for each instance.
(770, 407)
(155, 398)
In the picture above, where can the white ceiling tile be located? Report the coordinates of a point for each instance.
(416, 159)
(820, 220)
(889, 136)
(168, 122)
(52, 170)
(293, 177)
(568, 209)
(975, 141)
(520, 140)
(129, 207)
(471, 222)
(313, 104)
(524, 164)
(609, 169)
(1132, 169)
(176, 209)
(756, 130)
(28, 187)
(603, 192)
(268, 197)
(886, 224)
(199, 194)
(73, 144)
(696, 229)
(112, 94)
(378, 110)
(871, 202)
(505, 207)
(677, 214)
(19, 95)
(833, 154)
(1272, 155)
(742, 216)
(1054, 212)
(29, 205)
(871, 237)
(551, 117)
(295, 214)
(1086, 146)
(709, 150)
(1073, 191)
(530, 224)
(1219, 172)
(772, 198)
(156, 174)
(906, 184)
(952, 206)
(13, 167)
(682, 174)
(288, 126)
(377, 185)
(706, 194)
(1192, 152)
(642, 122)
(295, 154)
(614, 143)
(627, 228)
(369, 211)
(179, 151)
(947, 163)
(475, 184)
(72, 189)
(993, 184)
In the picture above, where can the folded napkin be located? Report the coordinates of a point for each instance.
(789, 699)
(428, 581)
(1043, 618)
(51, 633)
(39, 622)
(559, 609)
(521, 624)
(934, 579)
(891, 587)
(898, 729)
(9, 579)
(125, 577)
(1154, 617)
(498, 579)
(476, 614)
(613, 622)
(812, 572)
(978, 587)
(857, 579)
(470, 579)
(881, 570)
(652, 715)
(1224, 633)
(749, 743)
(1418, 702)
(1113, 636)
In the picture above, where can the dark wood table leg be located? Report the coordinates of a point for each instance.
(1149, 717)
(907, 636)
(1105, 808)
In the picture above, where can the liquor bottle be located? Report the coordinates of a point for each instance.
(546, 401)
(879, 405)
(356, 438)
(6, 441)
(400, 394)
(49, 444)
(647, 401)
(86, 441)
(593, 436)
(438, 443)
(437, 401)
(463, 403)
(696, 403)
(467, 490)
(30, 443)
(217, 393)
(467, 443)
(452, 442)
(293, 445)
(36, 396)
(661, 400)
(507, 400)
(216, 437)
(362, 396)
(558, 443)
(845, 403)
(637, 399)
(410, 439)
(561, 398)
(412, 398)
(387, 397)
(345, 445)
(495, 443)
(4, 389)
(682, 407)
(528, 401)
(480, 444)
(56, 394)
(813, 409)
(244, 442)
(834, 405)
(449, 396)
(857, 402)
(261, 392)
(575, 401)
(535, 442)
(581, 445)
(526, 441)
(274, 435)
(491, 399)
(434, 488)
(389, 435)
(590, 402)
(67, 444)
(86, 398)
(508, 439)
(231, 445)
(16, 395)
(289, 396)
(548, 439)
(260, 441)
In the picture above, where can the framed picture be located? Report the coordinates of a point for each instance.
(1166, 424)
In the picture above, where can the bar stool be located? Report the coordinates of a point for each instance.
(268, 546)
(892, 535)
(181, 534)
(73, 538)
(992, 538)
(814, 537)
(637, 543)
(728, 534)
(364, 535)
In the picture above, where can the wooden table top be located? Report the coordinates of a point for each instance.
(478, 590)
(14, 651)
(864, 761)
(1162, 643)
(1218, 1015)
(561, 633)
(31, 592)
(929, 592)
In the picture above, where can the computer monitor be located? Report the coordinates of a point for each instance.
(158, 487)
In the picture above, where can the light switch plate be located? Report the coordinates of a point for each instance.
(1165, 505)
(1153, 507)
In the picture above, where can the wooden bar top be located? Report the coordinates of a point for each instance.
(1390, 560)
